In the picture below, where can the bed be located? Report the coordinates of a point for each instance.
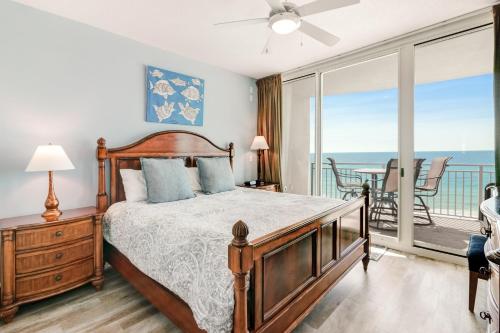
(243, 260)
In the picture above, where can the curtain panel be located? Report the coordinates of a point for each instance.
(269, 125)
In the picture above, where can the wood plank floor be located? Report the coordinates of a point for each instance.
(400, 293)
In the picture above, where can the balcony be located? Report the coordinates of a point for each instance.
(454, 210)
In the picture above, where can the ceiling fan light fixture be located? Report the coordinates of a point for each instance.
(284, 23)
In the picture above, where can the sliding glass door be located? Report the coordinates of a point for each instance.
(454, 136)
(360, 137)
(415, 121)
(299, 121)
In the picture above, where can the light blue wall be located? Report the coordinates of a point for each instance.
(68, 83)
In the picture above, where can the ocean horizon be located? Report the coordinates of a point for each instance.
(483, 157)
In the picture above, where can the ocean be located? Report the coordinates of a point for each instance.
(459, 191)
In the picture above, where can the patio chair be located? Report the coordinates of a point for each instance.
(354, 184)
(385, 197)
(430, 186)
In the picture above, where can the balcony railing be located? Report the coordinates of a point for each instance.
(460, 191)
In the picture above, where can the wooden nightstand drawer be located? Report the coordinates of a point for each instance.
(270, 187)
(53, 280)
(44, 259)
(50, 235)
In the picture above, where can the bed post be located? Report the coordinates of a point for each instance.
(102, 197)
(366, 227)
(240, 255)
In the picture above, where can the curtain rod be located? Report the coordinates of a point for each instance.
(456, 34)
(300, 78)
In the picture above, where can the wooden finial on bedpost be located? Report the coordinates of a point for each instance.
(240, 254)
(366, 227)
(102, 197)
(231, 153)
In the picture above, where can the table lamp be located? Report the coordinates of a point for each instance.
(259, 143)
(50, 158)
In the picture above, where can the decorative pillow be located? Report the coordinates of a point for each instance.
(216, 174)
(166, 179)
(194, 178)
(134, 185)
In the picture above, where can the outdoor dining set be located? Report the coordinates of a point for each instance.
(384, 190)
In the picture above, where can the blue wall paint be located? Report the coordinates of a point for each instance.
(69, 83)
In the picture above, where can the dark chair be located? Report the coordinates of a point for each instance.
(430, 186)
(353, 185)
(478, 266)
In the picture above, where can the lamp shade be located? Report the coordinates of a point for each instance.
(49, 158)
(259, 142)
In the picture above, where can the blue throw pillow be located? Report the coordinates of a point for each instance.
(216, 174)
(166, 180)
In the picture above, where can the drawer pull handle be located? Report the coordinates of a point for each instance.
(59, 255)
(58, 277)
(485, 316)
(59, 233)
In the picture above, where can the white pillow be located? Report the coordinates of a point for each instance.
(194, 179)
(134, 185)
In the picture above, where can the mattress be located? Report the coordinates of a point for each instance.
(183, 244)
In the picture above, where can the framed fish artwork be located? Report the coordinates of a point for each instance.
(174, 98)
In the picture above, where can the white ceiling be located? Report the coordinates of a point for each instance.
(185, 27)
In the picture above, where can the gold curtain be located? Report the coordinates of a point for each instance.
(269, 125)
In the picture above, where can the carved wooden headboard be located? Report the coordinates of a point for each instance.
(166, 144)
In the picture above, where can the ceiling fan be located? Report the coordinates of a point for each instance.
(286, 17)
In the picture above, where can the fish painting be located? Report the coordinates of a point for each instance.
(191, 93)
(178, 82)
(189, 113)
(174, 98)
(156, 73)
(164, 111)
(163, 88)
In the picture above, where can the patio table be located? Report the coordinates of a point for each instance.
(374, 172)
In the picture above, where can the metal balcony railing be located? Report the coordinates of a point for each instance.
(460, 191)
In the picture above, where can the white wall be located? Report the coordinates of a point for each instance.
(68, 83)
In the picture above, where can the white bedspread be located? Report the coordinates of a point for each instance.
(183, 244)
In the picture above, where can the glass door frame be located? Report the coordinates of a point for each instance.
(405, 47)
(379, 239)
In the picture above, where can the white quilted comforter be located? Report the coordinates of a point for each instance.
(183, 244)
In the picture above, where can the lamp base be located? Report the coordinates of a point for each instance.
(52, 212)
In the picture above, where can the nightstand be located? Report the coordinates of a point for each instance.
(273, 187)
(39, 259)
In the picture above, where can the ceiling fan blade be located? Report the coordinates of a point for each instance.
(319, 34)
(275, 5)
(245, 22)
(319, 6)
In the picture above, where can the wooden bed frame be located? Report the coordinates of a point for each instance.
(290, 269)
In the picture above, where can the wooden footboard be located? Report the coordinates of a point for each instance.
(293, 268)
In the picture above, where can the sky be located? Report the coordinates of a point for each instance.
(453, 115)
